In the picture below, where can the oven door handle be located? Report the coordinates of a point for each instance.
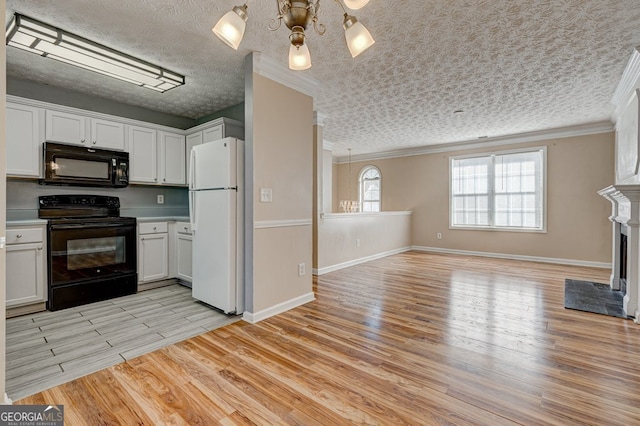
(61, 227)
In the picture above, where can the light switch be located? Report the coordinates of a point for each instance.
(265, 195)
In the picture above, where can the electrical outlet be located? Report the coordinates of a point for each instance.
(160, 199)
(301, 269)
(357, 242)
(439, 235)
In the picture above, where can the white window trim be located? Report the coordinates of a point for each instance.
(360, 194)
(542, 230)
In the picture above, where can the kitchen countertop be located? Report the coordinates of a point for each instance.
(163, 219)
(22, 219)
(26, 222)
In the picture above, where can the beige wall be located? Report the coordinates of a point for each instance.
(577, 217)
(3, 206)
(281, 151)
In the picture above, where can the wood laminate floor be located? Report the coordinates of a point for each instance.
(50, 348)
(414, 338)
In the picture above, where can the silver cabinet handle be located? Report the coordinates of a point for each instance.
(185, 228)
(19, 236)
(154, 228)
(82, 140)
(40, 248)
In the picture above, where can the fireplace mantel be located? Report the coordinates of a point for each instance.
(625, 212)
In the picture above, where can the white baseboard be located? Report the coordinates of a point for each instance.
(327, 269)
(7, 400)
(570, 262)
(278, 309)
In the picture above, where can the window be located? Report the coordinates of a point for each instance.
(501, 190)
(370, 189)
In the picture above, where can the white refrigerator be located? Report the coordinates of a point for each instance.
(217, 222)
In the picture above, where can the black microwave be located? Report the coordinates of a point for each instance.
(77, 165)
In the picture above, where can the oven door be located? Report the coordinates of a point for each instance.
(91, 260)
(90, 251)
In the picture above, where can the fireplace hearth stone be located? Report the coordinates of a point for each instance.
(593, 297)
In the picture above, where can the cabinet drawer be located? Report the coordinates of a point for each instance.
(183, 228)
(152, 227)
(24, 235)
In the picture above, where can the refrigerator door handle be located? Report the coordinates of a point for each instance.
(192, 210)
(192, 169)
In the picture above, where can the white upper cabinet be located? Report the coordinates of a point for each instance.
(66, 128)
(76, 129)
(172, 164)
(24, 140)
(213, 134)
(212, 131)
(155, 157)
(143, 155)
(107, 134)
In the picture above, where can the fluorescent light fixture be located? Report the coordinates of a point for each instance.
(51, 42)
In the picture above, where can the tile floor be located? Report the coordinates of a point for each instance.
(50, 348)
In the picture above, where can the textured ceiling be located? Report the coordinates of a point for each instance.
(512, 66)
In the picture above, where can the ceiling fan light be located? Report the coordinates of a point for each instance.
(358, 37)
(355, 4)
(299, 58)
(230, 28)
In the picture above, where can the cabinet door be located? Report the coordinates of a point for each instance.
(183, 254)
(23, 140)
(212, 134)
(25, 274)
(153, 257)
(143, 155)
(64, 127)
(107, 134)
(192, 140)
(172, 161)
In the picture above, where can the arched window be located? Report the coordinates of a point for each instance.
(370, 189)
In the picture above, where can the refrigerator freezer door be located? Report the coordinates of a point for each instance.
(214, 249)
(213, 165)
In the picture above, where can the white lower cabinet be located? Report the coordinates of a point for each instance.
(153, 251)
(26, 266)
(183, 251)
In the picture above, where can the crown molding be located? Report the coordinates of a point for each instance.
(327, 146)
(564, 132)
(319, 118)
(628, 83)
(296, 80)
